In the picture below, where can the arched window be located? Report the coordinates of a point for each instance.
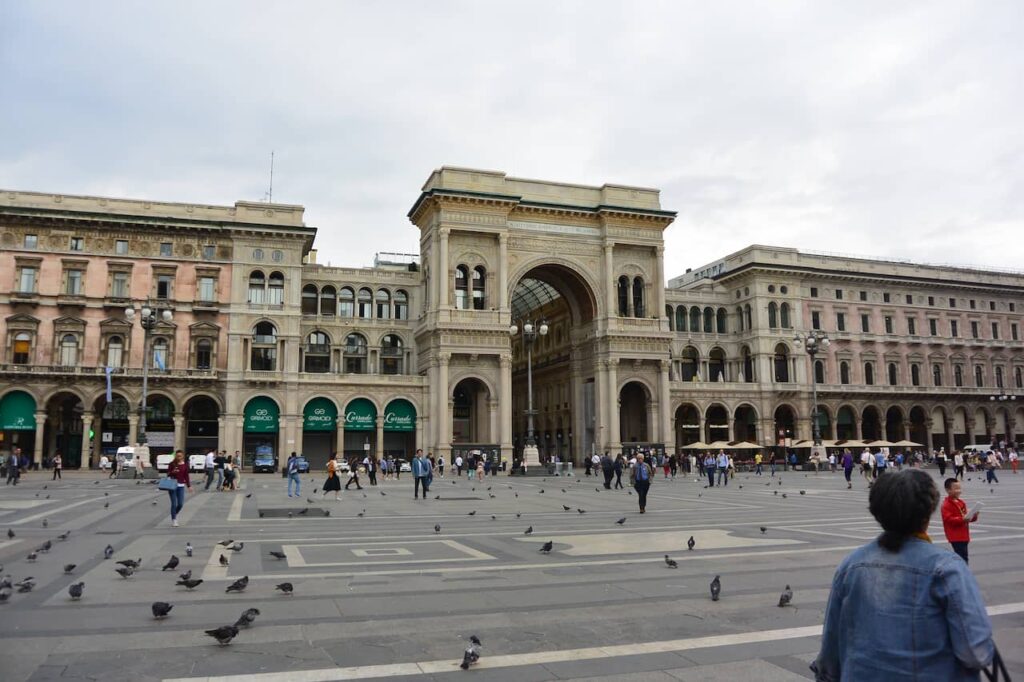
(915, 375)
(695, 320)
(638, 297)
(309, 299)
(739, 317)
(869, 374)
(383, 299)
(623, 296)
(709, 320)
(681, 318)
(328, 301)
(892, 374)
(391, 354)
(462, 287)
(275, 292)
(749, 316)
(936, 375)
(999, 377)
(317, 355)
(115, 352)
(958, 375)
(690, 363)
(781, 363)
(671, 318)
(355, 354)
(22, 348)
(1018, 378)
(716, 365)
(819, 372)
(784, 316)
(257, 287)
(844, 372)
(401, 305)
(204, 354)
(346, 302)
(748, 365)
(160, 354)
(479, 287)
(773, 314)
(364, 307)
(264, 348)
(979, 376)
(720, 321)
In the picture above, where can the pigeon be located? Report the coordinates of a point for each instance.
(108, 552)
(383, 494)
(131, 563)
(671, 563)
(361, 514)
(25, 585)
(4, 595)
(565, 508)
(46, 547)
(68, 568)
(776, 492)
(64, 536)
(238, 547)
(327, 512)
(472, 513)
(224, 634)
(171, 564)
(518, 515)
(528, 531)
(475, 640)
(542, 491)
(437, 527)
(310, 500)
(621, 521)
(10, 533)
(803, 492)
(491, 495)
(469, 657)
(187, 575)
(106, 505)
(301, 513)
(786, 597)
(287, 588)
(31, 556)
(581, 511)
(190, 584)
(75, 590)
(224, 561)
(691, 543)
(493, 517)
(247, 618)
(764, 529)
(716, 588)
(125, 571)
(5, 583)
(784, 496)
(238, 585)
(46, 523)
(437, 497)
(161, 609)
(226, 543)
(277, 555)
(548, 546)
(248, 496)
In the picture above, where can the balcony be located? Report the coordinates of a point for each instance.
(264, 340)
(360, 379)
(318, 349)
(99, 372)
(25, 297)
(71, 300)
(263, 375)
(120, 302)
(212, 306)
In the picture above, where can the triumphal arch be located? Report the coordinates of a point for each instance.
(586, 265)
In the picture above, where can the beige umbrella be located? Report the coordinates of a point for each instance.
(852, 443)
(744, 445)
(699, 445)
(720, 445)
(880, 443)
(907, 444)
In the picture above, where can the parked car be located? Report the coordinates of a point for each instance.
(404, 466)
(126, 455)
(162, 461)
(197, 463)
(302, 464)
(264, 463)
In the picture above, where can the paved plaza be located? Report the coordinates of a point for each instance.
(378, 594)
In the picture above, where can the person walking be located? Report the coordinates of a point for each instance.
(58, 465)
(940, 460)
(219, 460)
(230, 473)
(333, 482)
(832, 462)
(208, 466)
(370, 462)
(958, 465)
(991, 464)
(420, 472)
(1013, 461)
(709, 469)
(617, 466)
(757, 465)
(722, 463)
(291, 469)
(13, 467)
(178, 471)
(595, 462)
(440, 467)
(140, 467)
(640, 478)
(881, 462)
(458, 465)
(480, 468)
(673, 465)
(607, 469)
(848, 468)
(587, 465)
(954, 518)
(353, 475)
(771, 464)
(901, 608)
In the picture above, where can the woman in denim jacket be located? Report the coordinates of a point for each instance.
(902, 608)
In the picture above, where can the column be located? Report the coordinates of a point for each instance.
(38, 445)
(906, 431)
(492, 425)
(444, 422)
(443, 282)
(609, 276)
(502, 271)
(732, 428)
(419, 432)
(339, 446)
(85, 461)
(179, 433)
(222, 440)
(928, 435)
(505, 381)
(659, 290)
(950, 436)
(613, 407)
(858, 434)
(665, 401)
(379, 451)
(602, 433)
(133, 429)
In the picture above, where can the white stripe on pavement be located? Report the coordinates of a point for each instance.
(538, 658)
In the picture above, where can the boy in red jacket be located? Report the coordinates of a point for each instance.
(954, 519)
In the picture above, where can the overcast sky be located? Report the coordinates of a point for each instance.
(892, 129)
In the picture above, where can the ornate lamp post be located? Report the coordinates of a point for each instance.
(148, 318)
(530, 331)
(813, 342)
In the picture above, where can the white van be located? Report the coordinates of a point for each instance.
(197, 463)
(163, 461)
(127, 454)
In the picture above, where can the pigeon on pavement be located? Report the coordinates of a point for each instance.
(287, 588)
(75, 590)
(171, 564)
(475, 640)
(671, 563)
(224, 561)
(187, 575)
(108, 552)
(621, 521)
(691, 543)
(238, 585)
(125, 571)
(161, 609)
(437, 527)
(786, 597)
(226, 543)
(10, 534)
(565, 508)
(764, 529)
(31, 556)
(131, 563)
(528, 531)
(64, 536)
(247, 618)
(581, 511)
(68, 568)
(277, 555)
(548, 546)
(46, 523)
(190, 583)
(716, 588)
(472, 513)
(223, 634)
(237, 548)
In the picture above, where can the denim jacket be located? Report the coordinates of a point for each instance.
(420, 467)
(915, 614)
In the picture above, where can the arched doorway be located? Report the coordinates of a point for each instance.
(919, 425)
(846, 423)
(785, 424)
(634, 413)
(202, 429)
(716, 424)
(824, 423)
(871, 424)
(716, 365)
(471, 412)
(159, 426)
(745, 428)
(894, 424)
(687, 425)
(319, 431)
(63, 430)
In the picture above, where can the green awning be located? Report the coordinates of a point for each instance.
(361, 415)
(261, 415)
(320, 415)
(17, 412)
(400, 415)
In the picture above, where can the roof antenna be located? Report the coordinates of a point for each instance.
(270, 192)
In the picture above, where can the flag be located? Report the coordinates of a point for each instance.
(110, 393)
(158, 358)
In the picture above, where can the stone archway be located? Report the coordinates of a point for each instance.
(634, 403)
(471, 423)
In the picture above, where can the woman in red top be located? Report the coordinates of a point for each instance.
(954, 519)
(178, 470)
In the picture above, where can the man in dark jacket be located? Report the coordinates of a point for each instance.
(608, 469)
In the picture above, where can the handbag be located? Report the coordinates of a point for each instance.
(992, 675)
(167, 483)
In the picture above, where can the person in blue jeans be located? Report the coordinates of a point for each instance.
(723, 468)
(421, 474)
(292, 469)
(178, 471)
(709, 469)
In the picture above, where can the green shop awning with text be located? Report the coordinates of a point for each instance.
(17, 412)
(261, 415)
(361, 415)
(400, 415)
(320, 415)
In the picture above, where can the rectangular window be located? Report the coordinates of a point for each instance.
(1013, 331)
(911, 326)
(31, 241)
(865, 323)
(22, 348)
(995, 330)
(886, 297)
(77, 243)
(910, 299)
(863, 295)
(974, 330)
(814, 292)
(164, 287)
(931, 300)
(1012, 307)
(121, 247)
(207, 288)
(815, 319)
(954, 328)
(888, 324)
(972, 303)
(27, 280)
(933, 326)
(73, 283)
(839, 294)
(209, 252)
(952, 303)
(119, 285)
(166, 249)
(991, 305)
(841, 322)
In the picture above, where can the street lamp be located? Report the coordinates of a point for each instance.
(148, 318)
(530, 331)
(813, 342)
(1002, 397)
